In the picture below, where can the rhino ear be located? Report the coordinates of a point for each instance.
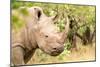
(54, 18)
(39, 13)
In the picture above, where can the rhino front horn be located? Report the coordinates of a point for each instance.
(66, 30)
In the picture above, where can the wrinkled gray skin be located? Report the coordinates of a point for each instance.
(39, 32)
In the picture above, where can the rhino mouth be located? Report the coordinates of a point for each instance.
(56, 53)
(53, 52)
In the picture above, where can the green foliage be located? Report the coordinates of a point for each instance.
(24, 11)
(61, 25)
(68, 46)
(17, 23)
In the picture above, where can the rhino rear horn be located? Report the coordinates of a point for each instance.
(55, 18)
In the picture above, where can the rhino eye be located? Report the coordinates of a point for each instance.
(46, 36)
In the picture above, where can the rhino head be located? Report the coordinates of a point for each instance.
(48, 38)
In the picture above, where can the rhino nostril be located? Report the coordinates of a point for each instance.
(55, 48)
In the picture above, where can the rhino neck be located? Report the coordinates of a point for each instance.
(30, 38)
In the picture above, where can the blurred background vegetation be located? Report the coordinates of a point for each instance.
(80, 45)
